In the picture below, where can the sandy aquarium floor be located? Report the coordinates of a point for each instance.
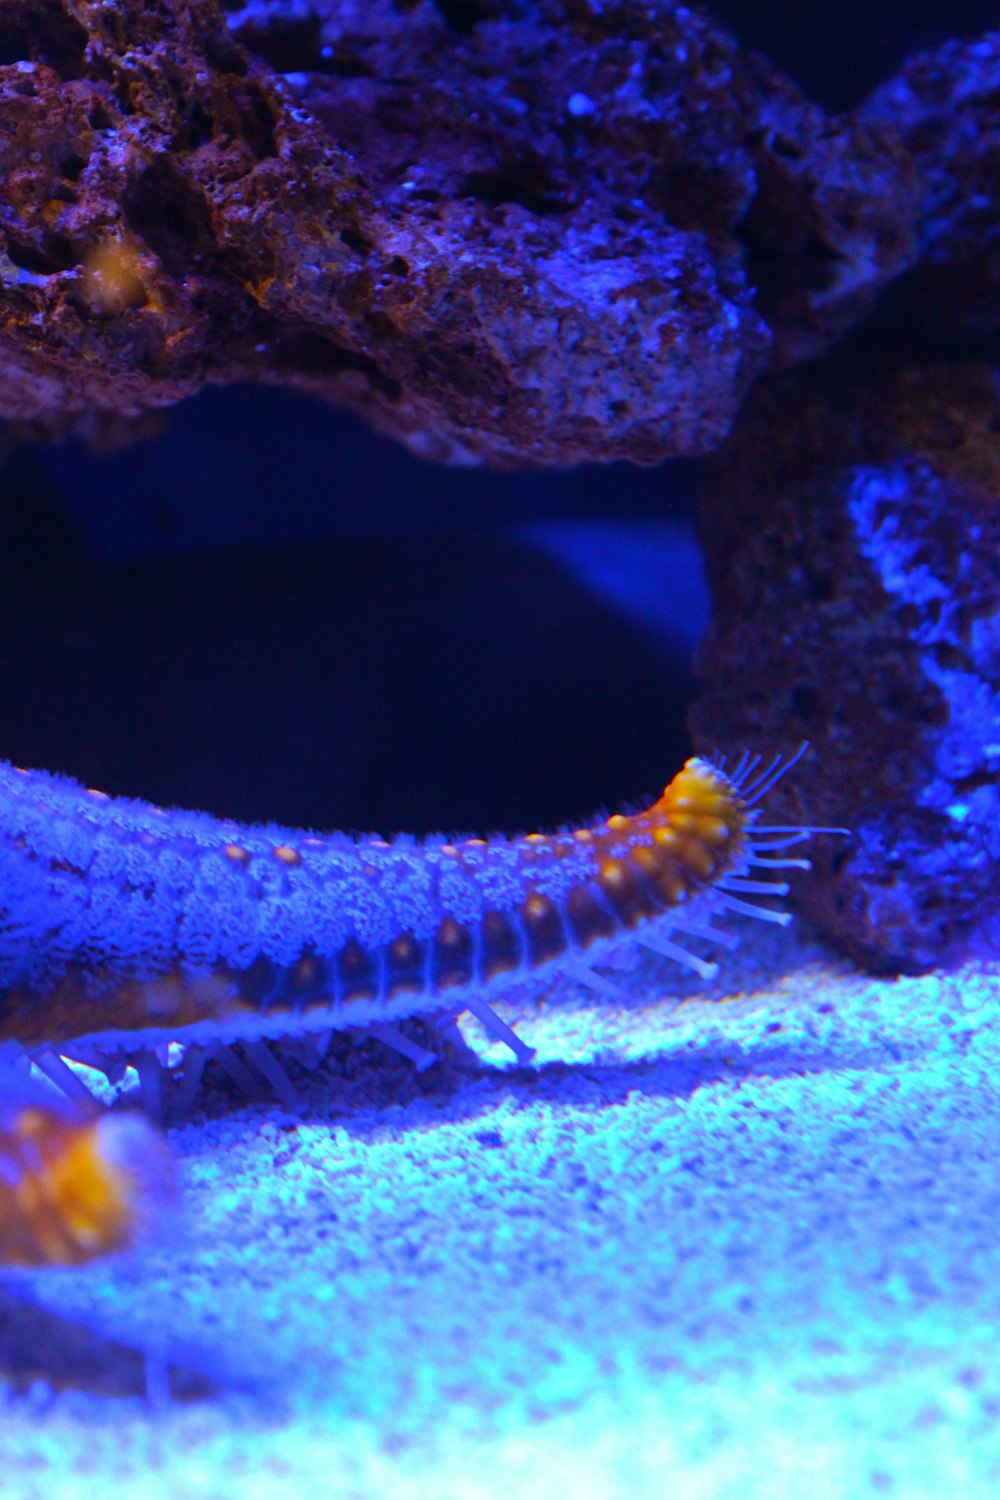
(736, 1242)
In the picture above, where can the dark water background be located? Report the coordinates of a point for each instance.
(271, 613)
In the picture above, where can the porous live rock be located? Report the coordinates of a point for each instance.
(503, 234)
(852, 528)
(946, 104)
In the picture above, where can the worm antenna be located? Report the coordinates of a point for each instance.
(753, 788)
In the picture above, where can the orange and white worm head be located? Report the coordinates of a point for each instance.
(654, 860)
(74, 1189)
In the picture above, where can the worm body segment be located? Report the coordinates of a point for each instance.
(121, 921)
(76, 1187)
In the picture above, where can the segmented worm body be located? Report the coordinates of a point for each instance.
(75, 1185)
(124, 927)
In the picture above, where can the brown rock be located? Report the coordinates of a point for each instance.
(946, 105)
(853, 529)
(542, 235)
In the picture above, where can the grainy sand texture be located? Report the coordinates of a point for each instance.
(735, 1242)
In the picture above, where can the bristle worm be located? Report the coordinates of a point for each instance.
(75, 1185)
(124, 927)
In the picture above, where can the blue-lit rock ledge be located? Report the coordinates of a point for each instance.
(736, 1245)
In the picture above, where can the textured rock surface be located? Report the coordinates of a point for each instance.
(947, 105)
(514, 234)
(853, 532)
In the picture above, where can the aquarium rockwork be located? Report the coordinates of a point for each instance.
(500, 750)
